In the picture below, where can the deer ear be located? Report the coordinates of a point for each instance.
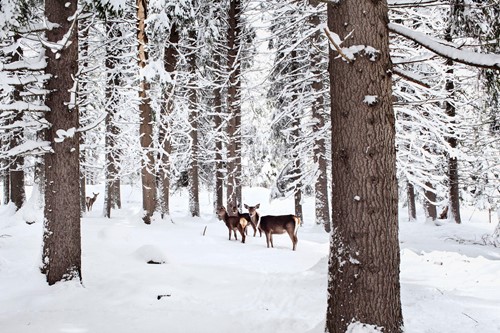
(257, 206)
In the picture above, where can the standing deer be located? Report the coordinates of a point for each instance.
(233, 223)
(248, 217)
(254, 218)
(89, 202)
(277, 225)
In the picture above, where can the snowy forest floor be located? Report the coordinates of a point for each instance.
(211, 284)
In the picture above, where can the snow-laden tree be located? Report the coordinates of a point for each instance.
(21, 93)
(297, 98)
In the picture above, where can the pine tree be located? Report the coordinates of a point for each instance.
(364, 260)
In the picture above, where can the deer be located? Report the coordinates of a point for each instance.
(249, 219)
(233, 223)
(89, 202)
(280, 224)
(254, 218)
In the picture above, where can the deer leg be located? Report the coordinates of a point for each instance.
(271, 238)
(267, 238)
(242, 232)
(229, 234)
(235, 237)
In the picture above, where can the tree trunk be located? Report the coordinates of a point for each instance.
(453, 182)
(193, 174)
(219, 176)
(234, 193)
(17, 191)
(430, 203)
(61, 239)
(146, 128)
(6, 186)
(83, 98)
(322, 207)
(412, 208)
(364, 252)
(113, 55)
(169, 63)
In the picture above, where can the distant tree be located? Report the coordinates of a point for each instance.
(364, 260)
(61, 239)
(234, 45)
(146, 114)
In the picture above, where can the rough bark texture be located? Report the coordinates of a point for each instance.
(322, 207)
(170, 63)
(364, 255)
(234, 105)
(61, 239)
(146, 127)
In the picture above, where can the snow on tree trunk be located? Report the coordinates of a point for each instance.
(170, 63)
(193, 173)
(234, 105)
(61, 238)
(363, 275)
(322, 207)
(146, 127)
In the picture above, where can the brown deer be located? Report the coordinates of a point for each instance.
(277, 225)
(89, 202)
(254, 218)
(233, 223)
(248, 217)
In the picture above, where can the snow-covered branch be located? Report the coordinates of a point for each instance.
(491, 61)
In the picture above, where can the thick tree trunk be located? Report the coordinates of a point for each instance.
(193, 174)
(234, 194)
(146, 128)
(170, 63)
(412, 207)
(322, 207)
(61, 239)
(364, 254)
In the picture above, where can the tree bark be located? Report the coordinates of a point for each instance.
(453, 182)
(430, 203)
(170, 63)
(61, 239)
(234, 193)
(219, 176)
(113, 81)
(322, 206)
(146, 128)
(193, 174)
(364, 252)
(412, 208)
(17, 190)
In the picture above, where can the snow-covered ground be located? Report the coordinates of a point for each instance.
(210, 284)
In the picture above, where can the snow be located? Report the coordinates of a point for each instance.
(206, 283)
(439, 47)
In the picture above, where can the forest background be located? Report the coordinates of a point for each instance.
(216, 95)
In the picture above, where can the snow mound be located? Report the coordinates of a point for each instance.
(150, 254)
